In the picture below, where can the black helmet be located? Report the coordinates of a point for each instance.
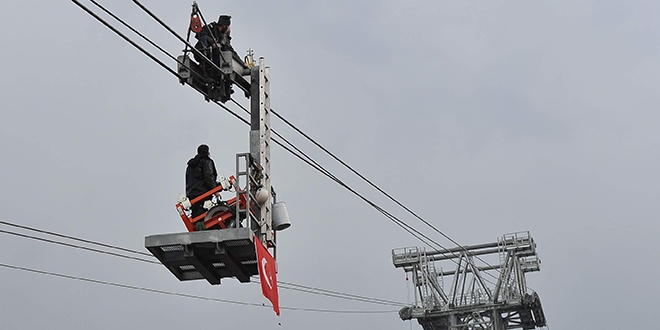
(224, 20)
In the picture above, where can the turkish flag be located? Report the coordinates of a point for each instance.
(267, 275)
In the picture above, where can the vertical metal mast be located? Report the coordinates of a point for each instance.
(260, 141)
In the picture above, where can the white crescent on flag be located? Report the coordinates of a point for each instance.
(264, 262)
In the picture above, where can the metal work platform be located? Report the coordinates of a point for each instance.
(209, 254)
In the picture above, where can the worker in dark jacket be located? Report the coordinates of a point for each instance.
(201, 177)
(216, 38)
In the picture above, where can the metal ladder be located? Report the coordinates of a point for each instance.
(245, 192)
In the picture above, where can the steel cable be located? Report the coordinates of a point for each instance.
(287, 285)
(304, 157)
(185, 295)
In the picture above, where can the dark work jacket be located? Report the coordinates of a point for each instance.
(208, 30)
(205, 38)
(200, 176)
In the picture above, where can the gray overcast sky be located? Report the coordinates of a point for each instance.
(484, 117)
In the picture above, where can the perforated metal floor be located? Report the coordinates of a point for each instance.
(210, 254)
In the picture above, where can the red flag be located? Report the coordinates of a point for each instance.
(267, 275)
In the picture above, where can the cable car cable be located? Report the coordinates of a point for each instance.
(346, 294)
(327, 173)
(184, 295)
(124, 37)
(172, 57)
(393, 218)
(318, 166)
(366, 180)
(287, 285)
(77, 246)
(155, 45)
(129, 27)
(193, 49)
(396, 220)
(75, 238)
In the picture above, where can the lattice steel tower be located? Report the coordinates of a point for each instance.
(473, 301)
